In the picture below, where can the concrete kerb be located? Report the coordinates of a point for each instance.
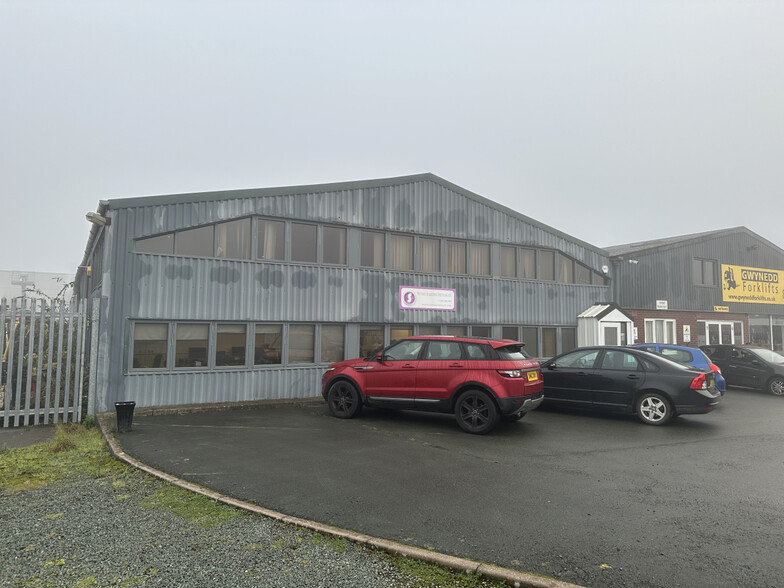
(511, 577)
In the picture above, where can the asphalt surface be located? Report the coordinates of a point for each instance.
(15, 437)
(597, 500)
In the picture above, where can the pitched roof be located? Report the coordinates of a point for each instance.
(655, 244)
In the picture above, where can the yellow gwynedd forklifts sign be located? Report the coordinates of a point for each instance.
(752, 284)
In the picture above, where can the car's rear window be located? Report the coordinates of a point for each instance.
(513, 352)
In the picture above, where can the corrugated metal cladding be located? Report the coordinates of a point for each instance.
(665, 273)
(169, 287)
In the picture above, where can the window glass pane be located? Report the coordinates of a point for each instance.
(372, 249)
(397, 333)
(430, 255)
(232, 239)
(696, 271)
(271, 241)
(268, 344)
(429, 329)
(568, 339)
(196, 242)
(371, 339)
(456, 257)
(512, 333)
(303, 243)
(401, 252)
(332, 343)
(738, 332)
(583, 275)
(150, 343)
(565, 270)
(598, 279)
(531, 341)
(443, 350)
(527, 266)
(334, 246)
(477, 351)
(230, 345)
(480, 259)
(191, 345)
(404, 350)
(709, 272)
(508, 262)
(161, 244)
(480, 331)
(549, 342)
(457, 330)
(547, 265)
(302, 339)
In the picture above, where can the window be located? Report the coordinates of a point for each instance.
(582, 274)
(568, 339)
(443, 350)
(404, 351)
(401, 252)
(547, 265)
(302, 339)
(267, 345)
(334, 245)
(163, 244)
(480, 331)
(565, 269)
(271, 240)
(303, 243)
(397, 333)
(527, 264)
(230, 345)
(371, 339)
(332, 343)
(703, 272)
(582, 359)
(196, 242)
(508, 262)
(455, 257)
(531, 341)
(620, 360)
(372, 249)
(232, 239)
(660, 331)
(549, 348)
(191, 344)
(480, 259)
(598, 279)
(430, 255)
(457, 330)
(511, 333)
(477, 351)
(429, 329)
(150, 344)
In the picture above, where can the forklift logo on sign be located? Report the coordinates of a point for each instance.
(751, 285)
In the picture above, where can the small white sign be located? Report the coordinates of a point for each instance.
(661, 305)
(412, 298)
(686, 333)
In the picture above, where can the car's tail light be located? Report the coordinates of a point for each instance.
(511, 373)
(699, 383)
(715, 368)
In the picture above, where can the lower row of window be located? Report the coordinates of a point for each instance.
(206, 345)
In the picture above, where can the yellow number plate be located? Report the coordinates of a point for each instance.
(532, 376)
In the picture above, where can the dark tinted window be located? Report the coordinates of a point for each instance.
(477, 351)
(443, 350)
(620, 360)
(512, 352)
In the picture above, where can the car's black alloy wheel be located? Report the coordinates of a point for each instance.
(476, 412)
(343, 399)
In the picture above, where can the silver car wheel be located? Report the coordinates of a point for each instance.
(653, 409)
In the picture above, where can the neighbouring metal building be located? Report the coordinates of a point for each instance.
(250, 294)
(716, 287)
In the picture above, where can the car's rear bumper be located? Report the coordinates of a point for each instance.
(520, 404)
(691, 409)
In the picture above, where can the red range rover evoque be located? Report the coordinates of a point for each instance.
(480, 380)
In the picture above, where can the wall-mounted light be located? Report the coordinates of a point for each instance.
(97, 219)
(634, 261)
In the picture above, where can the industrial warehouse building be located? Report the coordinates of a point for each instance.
(250, 294)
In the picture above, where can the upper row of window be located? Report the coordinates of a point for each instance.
(278, 240)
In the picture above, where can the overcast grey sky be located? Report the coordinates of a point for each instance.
(613, 121)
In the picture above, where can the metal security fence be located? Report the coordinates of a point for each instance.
(43, 369)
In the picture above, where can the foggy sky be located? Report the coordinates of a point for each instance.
(612, 121)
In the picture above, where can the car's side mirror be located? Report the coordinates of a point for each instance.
(379, 356)
(552, 366)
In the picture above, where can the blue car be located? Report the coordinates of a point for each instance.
(689, 355)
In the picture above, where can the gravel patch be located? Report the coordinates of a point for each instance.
(98, 532)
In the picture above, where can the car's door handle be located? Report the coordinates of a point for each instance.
(632, 377)
(456, 364)
(582, 374)
(408, 366)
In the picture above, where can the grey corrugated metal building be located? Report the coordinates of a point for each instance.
(723, 286)
(250, 294)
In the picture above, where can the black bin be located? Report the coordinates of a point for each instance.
(124, 415)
